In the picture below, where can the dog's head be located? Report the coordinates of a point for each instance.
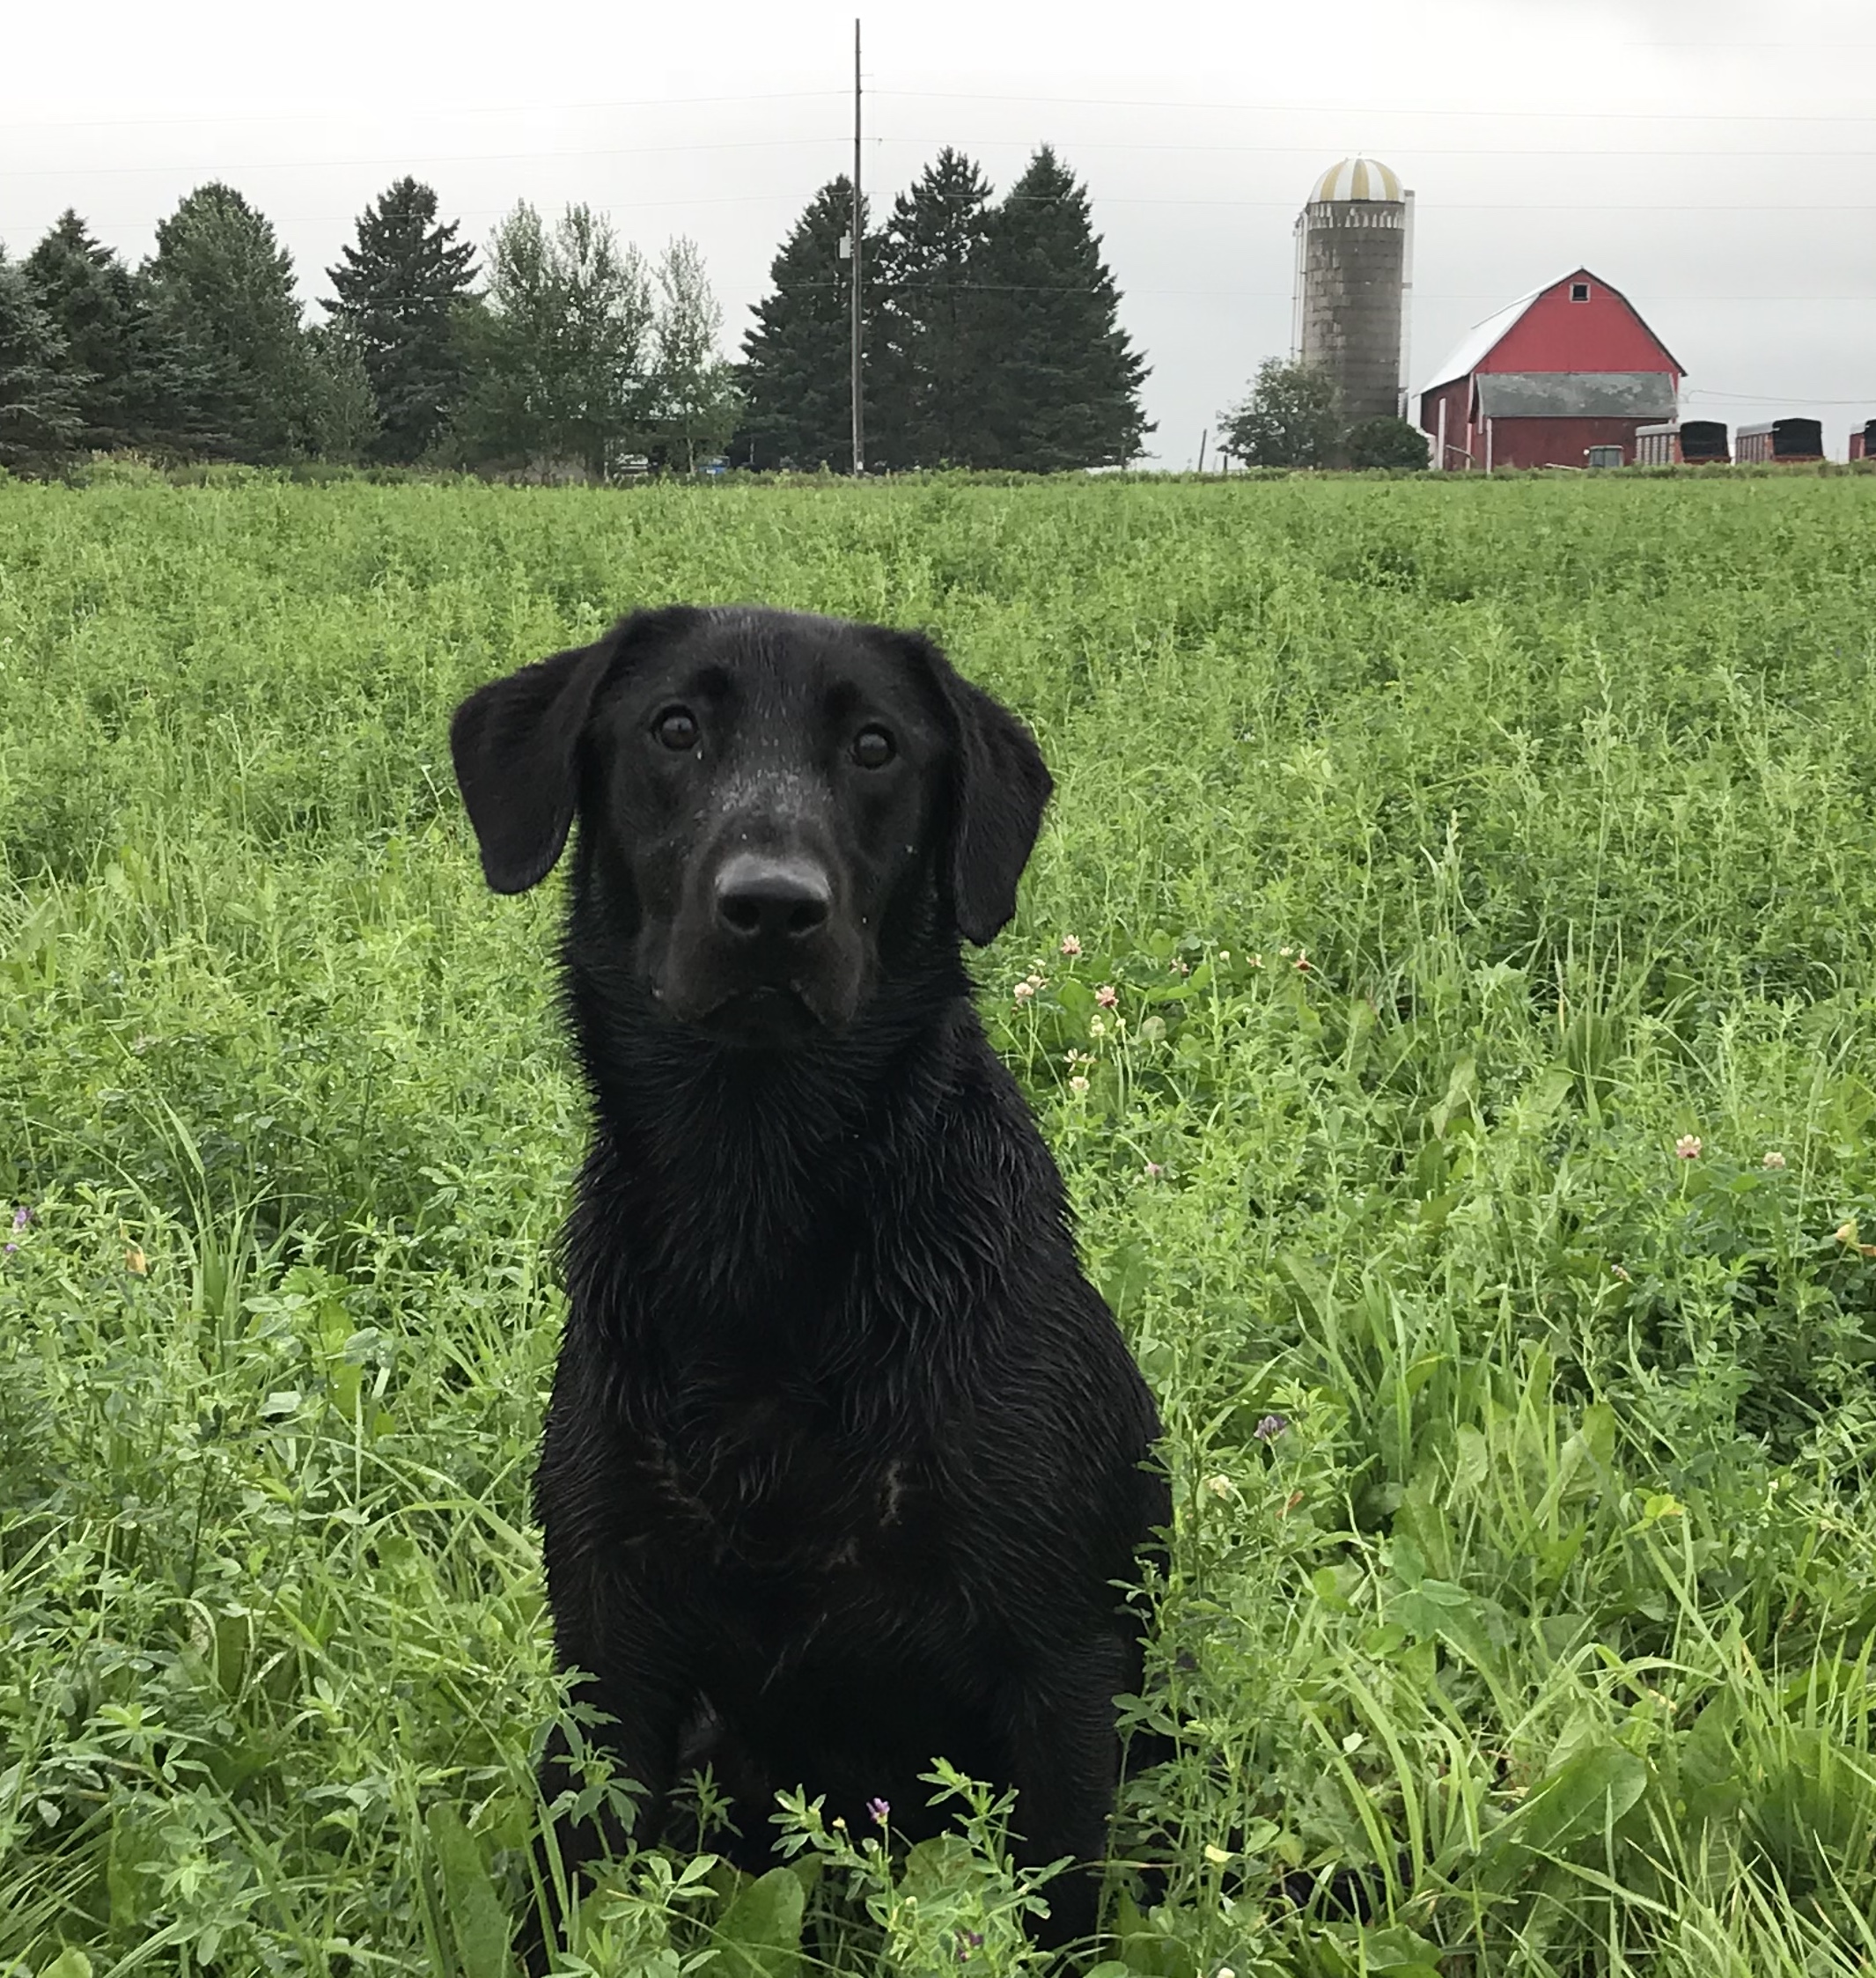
(763, 798)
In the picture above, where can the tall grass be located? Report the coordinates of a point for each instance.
(1455, 851)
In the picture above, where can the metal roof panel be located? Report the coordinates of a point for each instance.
(1576, 394)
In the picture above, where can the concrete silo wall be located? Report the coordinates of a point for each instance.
(1353, 255)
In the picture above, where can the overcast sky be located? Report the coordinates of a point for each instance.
(1709, 158)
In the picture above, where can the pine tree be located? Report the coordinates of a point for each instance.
(38, 387)
(142, 389)
(397, 296)
(796, 372)
(1060, 378)
(226, 284)
(926, 386)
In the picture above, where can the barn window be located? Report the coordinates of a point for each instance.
(1579, 291)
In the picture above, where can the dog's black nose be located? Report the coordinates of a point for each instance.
(761, 898)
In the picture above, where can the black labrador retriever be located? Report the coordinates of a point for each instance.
(847, 1464)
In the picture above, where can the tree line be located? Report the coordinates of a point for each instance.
(991, 332)
(990, 340)
(569, 346)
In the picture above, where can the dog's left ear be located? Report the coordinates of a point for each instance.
(1000, 787)
(515, 744)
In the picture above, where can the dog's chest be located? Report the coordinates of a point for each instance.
(775, 1474)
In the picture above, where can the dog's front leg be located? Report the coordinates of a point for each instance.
(1065, 1747)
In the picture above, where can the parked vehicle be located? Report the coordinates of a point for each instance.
(1780, 439)
(1685, 442)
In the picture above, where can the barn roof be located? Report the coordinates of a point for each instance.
(1576, 394)
(1480, 340)
(1483, 338)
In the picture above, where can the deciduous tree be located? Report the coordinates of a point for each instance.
(1289, 419)
(1384, 443)
(558, 351)
(694, 399)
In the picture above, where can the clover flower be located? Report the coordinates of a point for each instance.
(1078, 1085)
(1070, 945)
(1106, 995)
(1154, 1170)
(1687, 1147)
(1773, 1158)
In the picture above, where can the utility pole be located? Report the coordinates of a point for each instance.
(859, 423)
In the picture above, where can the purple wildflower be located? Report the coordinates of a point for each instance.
(1270, 1428)
(22, 1216)
(881, 1811)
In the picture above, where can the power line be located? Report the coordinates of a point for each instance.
(937, 285)
(403, 114)
(1422, 150)
(426, 160)
(1395, 109)
(1575, 152)
(1778, 398)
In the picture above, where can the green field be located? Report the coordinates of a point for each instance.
(1455, 849)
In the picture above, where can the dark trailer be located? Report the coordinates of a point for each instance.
(1780, 439)
(1694, 440)
(1862, 442)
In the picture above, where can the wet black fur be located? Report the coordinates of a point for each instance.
(846, 1460)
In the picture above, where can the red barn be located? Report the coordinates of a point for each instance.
(1564, 369)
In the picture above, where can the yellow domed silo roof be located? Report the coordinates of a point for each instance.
(1358, 177)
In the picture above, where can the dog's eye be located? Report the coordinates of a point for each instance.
(872, 748)
(676, 728)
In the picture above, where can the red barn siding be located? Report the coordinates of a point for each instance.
(1555, 334)
(1559, 443)
(1458, 398)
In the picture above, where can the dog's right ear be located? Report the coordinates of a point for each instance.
(515, 744)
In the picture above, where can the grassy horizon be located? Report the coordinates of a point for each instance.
(1476, 1150)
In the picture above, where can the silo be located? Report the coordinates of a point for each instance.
(1352, 240)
